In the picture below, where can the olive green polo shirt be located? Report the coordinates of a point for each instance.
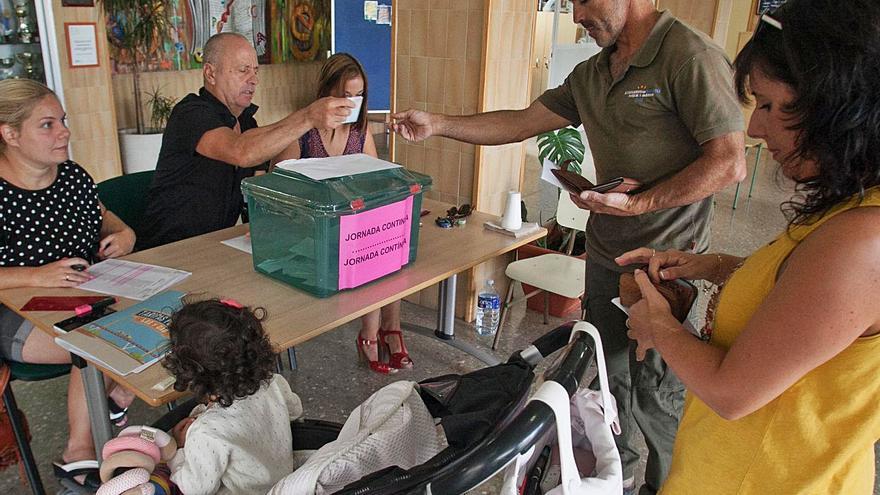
(649, 124)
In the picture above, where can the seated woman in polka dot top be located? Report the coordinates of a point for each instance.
(50, 221)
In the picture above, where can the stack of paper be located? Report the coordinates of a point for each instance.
(527, 228)
(127, 341)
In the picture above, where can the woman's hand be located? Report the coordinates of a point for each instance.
(116, 244)
(61, 273)
(180, 429)
(672, 264)
(649, 316)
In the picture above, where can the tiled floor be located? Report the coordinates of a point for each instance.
(330, 380)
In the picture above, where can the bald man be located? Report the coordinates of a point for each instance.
(212, 142)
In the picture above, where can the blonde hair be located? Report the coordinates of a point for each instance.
(336, 71)
(18, 97)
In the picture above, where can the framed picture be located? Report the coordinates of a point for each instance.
(82, 44)
(77, 3)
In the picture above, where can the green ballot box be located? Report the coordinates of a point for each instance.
(329, 234)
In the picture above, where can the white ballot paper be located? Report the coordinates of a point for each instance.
(336, 166)
(242, 243)
(129, 279)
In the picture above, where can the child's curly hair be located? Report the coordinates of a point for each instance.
(219, 350)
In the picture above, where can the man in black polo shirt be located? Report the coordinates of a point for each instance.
(212, 142)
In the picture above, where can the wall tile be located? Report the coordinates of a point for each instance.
(456, 35)
(403, 24)
(419, 79)
(437, 27)
(474, 49)
(419, 33)
(453, 82)
(436, 68)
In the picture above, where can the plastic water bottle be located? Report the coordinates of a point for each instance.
(488, 309)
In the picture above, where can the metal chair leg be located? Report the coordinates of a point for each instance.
(736, 195)
(546, 307)
(755, 168)
(291, 358)
(504, 309)
(24, 447)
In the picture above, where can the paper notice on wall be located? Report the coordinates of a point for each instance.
(374, 243)
(371, 10)
(384, 15)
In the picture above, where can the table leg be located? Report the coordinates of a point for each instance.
(446, 325)
(446, 309)
(99, 414)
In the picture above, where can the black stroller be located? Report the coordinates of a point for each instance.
(486, 415)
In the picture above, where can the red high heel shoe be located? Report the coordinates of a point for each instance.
(399, 360)
(377, 366)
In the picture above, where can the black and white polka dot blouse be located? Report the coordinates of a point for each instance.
(60, 221)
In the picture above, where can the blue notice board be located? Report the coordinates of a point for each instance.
(369, 41)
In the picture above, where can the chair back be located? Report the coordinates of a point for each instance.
(126, 196)
(569, 215)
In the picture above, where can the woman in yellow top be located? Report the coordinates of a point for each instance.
(784, 397)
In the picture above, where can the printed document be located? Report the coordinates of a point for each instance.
(129, 279)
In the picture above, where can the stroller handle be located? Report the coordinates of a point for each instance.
(536, 419)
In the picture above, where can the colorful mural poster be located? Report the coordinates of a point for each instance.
(280, 30)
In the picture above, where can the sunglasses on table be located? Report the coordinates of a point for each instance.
(454, 214)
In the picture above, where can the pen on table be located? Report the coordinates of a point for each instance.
(95, 306)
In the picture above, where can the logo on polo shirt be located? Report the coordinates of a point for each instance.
(641, 92)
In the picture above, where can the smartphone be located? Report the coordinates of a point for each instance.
(75, 322)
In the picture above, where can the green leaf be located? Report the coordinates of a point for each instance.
(561, 145)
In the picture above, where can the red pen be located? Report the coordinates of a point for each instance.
(95, 306)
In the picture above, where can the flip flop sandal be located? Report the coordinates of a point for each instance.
(70, 470)
(118, 414)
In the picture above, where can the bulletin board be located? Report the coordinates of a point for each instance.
(363, 29)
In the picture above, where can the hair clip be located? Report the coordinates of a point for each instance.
(232, 303)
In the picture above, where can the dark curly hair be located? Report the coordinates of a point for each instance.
(218, 350)
(828, 51)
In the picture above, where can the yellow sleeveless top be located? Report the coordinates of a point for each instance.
(816, 438)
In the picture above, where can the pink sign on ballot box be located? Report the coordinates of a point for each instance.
(374, 243)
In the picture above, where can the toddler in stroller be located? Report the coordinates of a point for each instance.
(487, 423)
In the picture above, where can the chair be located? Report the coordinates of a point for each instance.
(757, 147)
(126, 196)
(557, 273)
(27, 372)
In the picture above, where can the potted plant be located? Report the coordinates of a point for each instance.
(559, 147)
(136, 28)
(140, 152)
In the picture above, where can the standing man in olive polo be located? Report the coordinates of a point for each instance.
(658, 106)
(212, 142)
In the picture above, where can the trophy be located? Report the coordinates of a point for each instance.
(26, 32)
(6, 65)
(7, 21)
(31, 66)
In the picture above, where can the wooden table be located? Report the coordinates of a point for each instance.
(294, 316)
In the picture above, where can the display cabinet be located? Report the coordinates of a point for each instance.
(27, 42)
